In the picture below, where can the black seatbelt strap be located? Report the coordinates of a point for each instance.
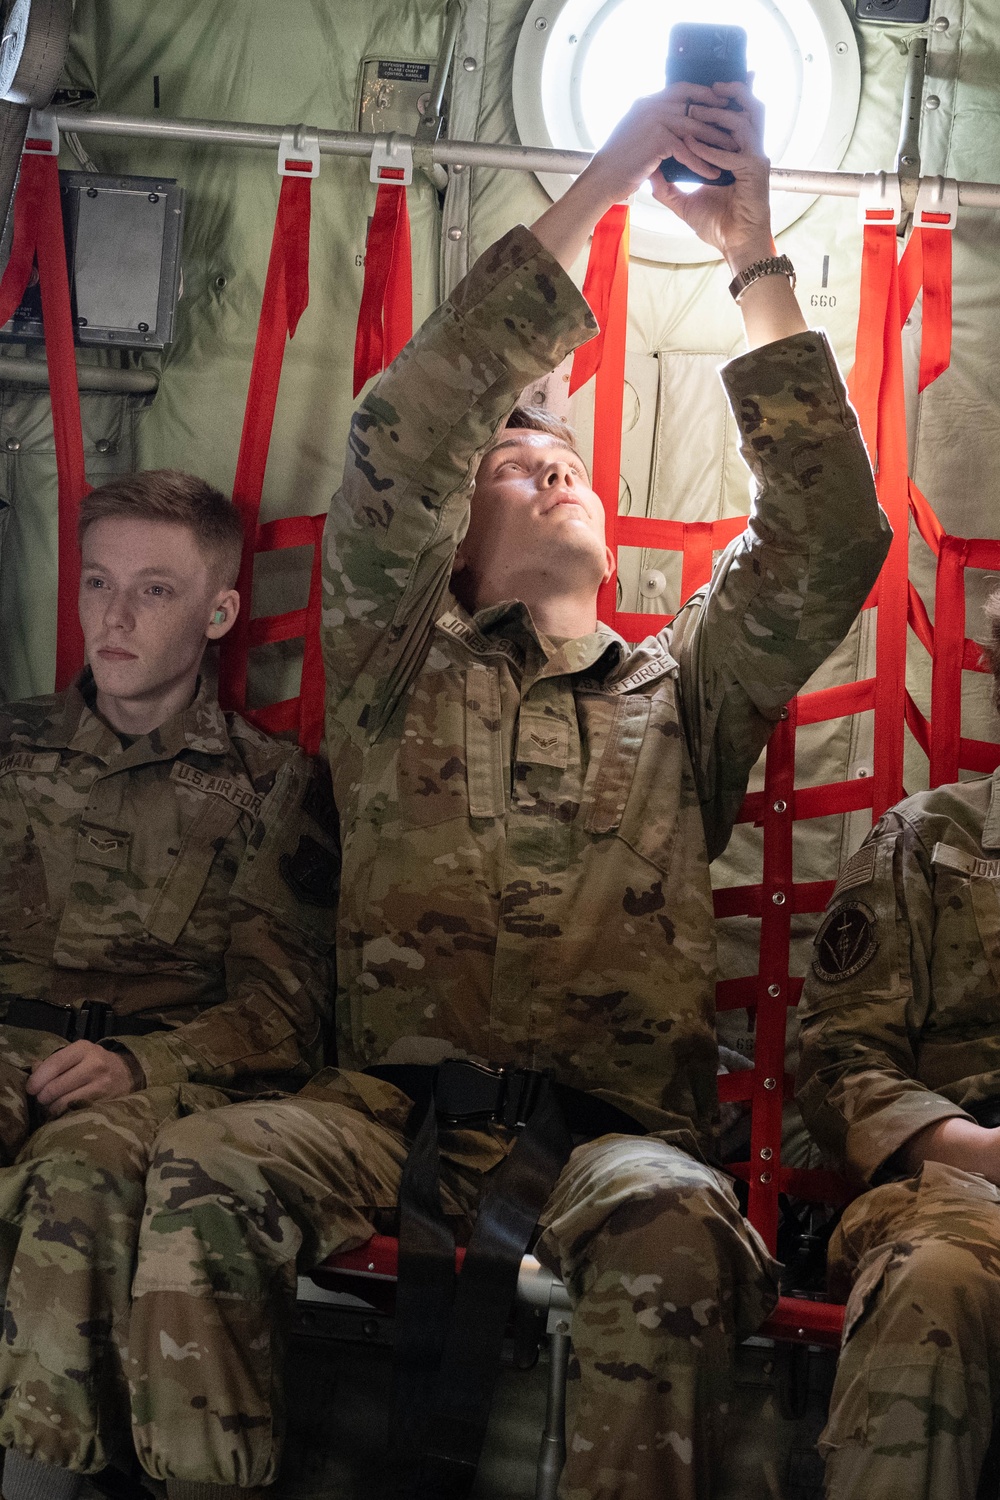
(425, 1293)
(449, 1336)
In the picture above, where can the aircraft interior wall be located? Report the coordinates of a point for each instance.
(311, 60)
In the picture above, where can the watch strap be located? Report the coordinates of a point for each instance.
(771, 265)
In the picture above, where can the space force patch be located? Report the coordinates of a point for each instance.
(846, 943)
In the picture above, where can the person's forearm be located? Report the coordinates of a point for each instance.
(565, 228)
(769, 307)
(957, 1142)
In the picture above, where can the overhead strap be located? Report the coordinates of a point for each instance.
(926, 263)
(607, 276)
(385, 320)
(876, 388)
(602, 265)
(286, 295)
(38, 234)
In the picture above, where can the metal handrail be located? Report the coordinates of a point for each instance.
(449, 153)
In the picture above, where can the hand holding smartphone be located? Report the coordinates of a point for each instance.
(705, 55)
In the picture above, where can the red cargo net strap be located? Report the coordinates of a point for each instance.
(303, 714)
(385, 319)
(286, 295)
(38, 234)
(876, 388)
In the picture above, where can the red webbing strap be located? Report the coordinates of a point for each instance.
(926, 263)
(38, 233)
(597, 285)
(946, 668)
(60, 355)
(696, 568)
(772, 979)
(876, 386)
(385, 318)
(608, 396)
(286, 294)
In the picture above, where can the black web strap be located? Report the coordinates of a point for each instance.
(449, 1334)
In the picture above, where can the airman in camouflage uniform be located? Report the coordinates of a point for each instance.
(178, 884)
(527, 824)
(900, 1054)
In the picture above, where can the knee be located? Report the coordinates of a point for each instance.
(950, 1280)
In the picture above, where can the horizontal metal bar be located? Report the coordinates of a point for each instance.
(451, 153)
(88, 377)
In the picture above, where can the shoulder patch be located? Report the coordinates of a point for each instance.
(858, 871)
(311, 873)
(846, 943)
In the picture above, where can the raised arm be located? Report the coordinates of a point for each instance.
(402, 509)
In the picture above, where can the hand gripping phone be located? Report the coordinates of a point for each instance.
(706, 55)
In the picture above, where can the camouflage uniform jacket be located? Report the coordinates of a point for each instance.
(527, 826)
(180, 879)
(901, 1011)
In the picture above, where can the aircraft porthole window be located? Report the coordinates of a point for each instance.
(580, 64)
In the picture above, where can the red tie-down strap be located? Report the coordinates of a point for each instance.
(38, 234)
(385, 319)
(286, 295)
(926, 263)
(304, 713)
(606, 289)
(876, 388)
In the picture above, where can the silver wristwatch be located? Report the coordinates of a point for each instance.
(771, 265)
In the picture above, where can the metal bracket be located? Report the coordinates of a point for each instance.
(937, 203)
(880, 201)
(42, 138)
(298, 152)
(392, 160)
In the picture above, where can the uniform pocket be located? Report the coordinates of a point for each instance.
(650, 819)
(433, 773)
(186, 878)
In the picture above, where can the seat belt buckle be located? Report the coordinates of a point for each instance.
(467, 1093)
(880, 200)
(937, 203)
(42, 138)
(298, 152)
(92, 1020)
(392, 160)
(520, 1097)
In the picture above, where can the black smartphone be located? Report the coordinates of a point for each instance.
(704, 54)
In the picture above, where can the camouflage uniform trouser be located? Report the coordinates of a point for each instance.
(664, 1273)
(70, 1211)
(918, 1382)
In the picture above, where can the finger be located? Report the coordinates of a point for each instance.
(748, 102)
(83, 1074)
(741, 163)
(50, 1067)
(84, 1095)
(687, 93)
(697, 128)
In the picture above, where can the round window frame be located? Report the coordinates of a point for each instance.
(681, 248)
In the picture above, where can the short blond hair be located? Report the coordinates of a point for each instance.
(171, 496)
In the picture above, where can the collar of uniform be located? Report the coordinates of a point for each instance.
(599, 652)
(991, 828)
(507, 629)
(201, 726)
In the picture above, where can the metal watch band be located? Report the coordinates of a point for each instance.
(771, 265)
